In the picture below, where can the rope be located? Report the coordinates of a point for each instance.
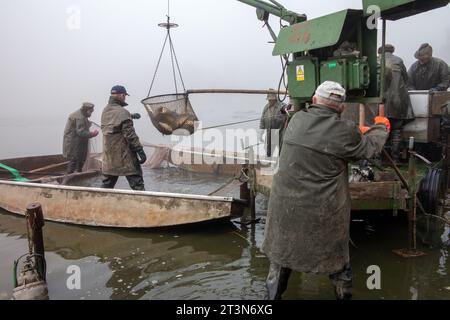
(171, 59)
(234, 123)
(176, 61)
(157, 66)
(229, 124)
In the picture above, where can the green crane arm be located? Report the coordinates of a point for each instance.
(263, 9)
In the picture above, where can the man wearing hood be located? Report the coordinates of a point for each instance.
(397, 103)
(76, 137)
(123, 153)
(272, 118)
(428, 72)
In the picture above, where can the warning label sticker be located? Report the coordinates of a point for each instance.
(301, 73)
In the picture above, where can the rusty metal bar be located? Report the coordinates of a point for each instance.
(412, 207)
(237, 91)
(381, 110)
(362, 115)
(396, 169)
(35, 223)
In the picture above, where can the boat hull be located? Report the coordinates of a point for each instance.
(116, 208)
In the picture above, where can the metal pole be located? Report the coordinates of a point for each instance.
(381, 110)
(383, 62)
(412, 199)
(362, 115)
(252, 175)
(237, 91)
(35, 223)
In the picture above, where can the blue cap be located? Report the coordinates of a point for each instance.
(119, 90)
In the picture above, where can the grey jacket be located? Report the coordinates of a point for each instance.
(397, 103)
(76, 136)
(120, 141)
(435, 74)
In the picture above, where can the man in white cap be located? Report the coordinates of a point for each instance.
(272, 121)
(308, 217)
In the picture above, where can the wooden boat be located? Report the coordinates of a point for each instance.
(102, 207)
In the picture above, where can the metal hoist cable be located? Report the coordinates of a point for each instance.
(173, 56)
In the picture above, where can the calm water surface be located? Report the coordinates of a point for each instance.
(214, 261)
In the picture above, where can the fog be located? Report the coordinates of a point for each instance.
(51, 62)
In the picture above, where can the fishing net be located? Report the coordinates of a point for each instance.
(171, 114)
(160, 157)
(95, 149)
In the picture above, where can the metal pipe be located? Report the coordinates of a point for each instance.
(381, 110)
(279, 11)
(362, 115)
(383, 61)
(396, 169)
(412, 203)
(237, 91)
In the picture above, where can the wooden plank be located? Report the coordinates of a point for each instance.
(51, 166)
(373, 190)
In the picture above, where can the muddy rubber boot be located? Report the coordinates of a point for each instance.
(277, 281)
(342, 282)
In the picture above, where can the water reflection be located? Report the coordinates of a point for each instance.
(215, 261)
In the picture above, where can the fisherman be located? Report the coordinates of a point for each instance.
(123, 153)
(76, 137)
(397, 103)
(308, 218)
(428, 72)
(273, 118)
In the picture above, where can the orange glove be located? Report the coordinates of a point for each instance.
(364, 129)
(383, 120)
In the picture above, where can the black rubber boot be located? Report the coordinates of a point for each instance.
(277, 281)
(396, 144)
(342, 282)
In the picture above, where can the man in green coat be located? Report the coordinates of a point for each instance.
(428, 72)
(272, 118)
(397, 103)
(76, 137)
(123, 153)
(308, 217)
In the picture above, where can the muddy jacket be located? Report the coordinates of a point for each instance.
(272, 118)
(308, 218)
(435, 74)
(120, 142)
(397, 104)
(76, 136)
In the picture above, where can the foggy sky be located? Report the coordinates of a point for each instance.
(48, 70)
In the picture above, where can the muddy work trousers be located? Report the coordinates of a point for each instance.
(75, 165)
(395, 138)
(278, 277)
(136, 182)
